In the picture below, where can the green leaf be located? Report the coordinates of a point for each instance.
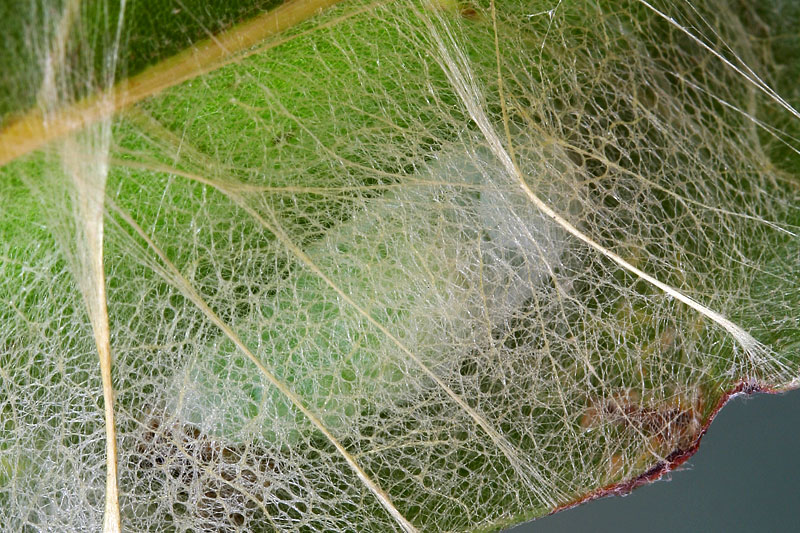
(432, 266)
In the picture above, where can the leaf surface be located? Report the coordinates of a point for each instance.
(397, 266)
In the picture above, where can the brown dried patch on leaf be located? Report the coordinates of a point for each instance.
(671, 426)
(229, 482)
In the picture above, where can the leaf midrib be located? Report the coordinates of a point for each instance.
(37, 127)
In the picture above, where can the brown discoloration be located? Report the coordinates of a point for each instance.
(615, 466)
(672, 460)
(464, 9)
(669, 426)
(228, 482)
(469, 12)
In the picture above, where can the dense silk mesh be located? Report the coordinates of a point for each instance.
(410, 265)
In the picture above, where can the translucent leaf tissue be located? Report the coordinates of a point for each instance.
(422, 265)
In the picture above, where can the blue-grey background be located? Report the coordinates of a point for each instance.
(744, 478)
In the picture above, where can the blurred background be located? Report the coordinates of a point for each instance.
(744, 478)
